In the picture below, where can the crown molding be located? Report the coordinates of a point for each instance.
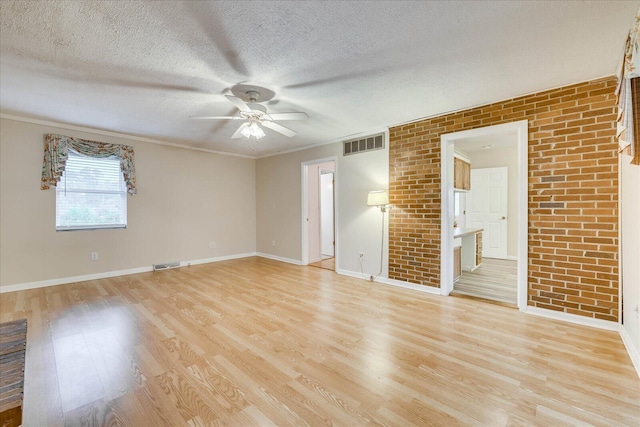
(113, 134)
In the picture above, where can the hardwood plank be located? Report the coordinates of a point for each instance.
(229, 398)
(257, 418)
(11, 417)
(156, 405)
(97, 413)
(117, 372)
(494, 279)
(258, 342)
(328, 263)
(42, 401)
(186, 398)
(77, 376)
(257, 394)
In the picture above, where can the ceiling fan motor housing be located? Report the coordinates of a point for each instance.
(252, 93)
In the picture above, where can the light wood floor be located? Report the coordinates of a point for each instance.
(327, 263)
(258, 342)
(494, 279)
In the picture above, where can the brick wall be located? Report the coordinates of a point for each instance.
(573, 202)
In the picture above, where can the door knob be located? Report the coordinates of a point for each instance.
(504, 217)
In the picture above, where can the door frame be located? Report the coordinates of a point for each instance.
(304, 168)
(520, 129)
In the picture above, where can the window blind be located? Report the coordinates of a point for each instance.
(91, 194)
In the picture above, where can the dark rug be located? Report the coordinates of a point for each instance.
(13, 342)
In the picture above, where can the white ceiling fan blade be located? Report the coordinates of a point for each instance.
(242, 106)
(288, 116)
(215, 117)
(238, 133)
(279, 128)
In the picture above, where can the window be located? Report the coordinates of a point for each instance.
(91, 194)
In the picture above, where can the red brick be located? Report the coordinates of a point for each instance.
(571, 135)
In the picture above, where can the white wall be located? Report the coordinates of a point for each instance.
(498, 157)
(359, 225)
(279, 199)
(185, 200)
(278, 193)
(630, 255)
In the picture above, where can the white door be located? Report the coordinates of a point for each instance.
(487, 209)
(326, 213)
(630, 248)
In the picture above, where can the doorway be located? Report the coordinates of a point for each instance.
(327, 215)
(484, 141)
(319, 213)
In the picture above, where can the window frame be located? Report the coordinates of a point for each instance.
(62, 187)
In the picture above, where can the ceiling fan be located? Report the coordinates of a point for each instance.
(255, 114)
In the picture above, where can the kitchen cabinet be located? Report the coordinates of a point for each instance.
(457, 263)
(478, 248)
(461, 175)
(471, 247)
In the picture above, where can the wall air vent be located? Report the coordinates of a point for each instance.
(165, 266)
(360, 145)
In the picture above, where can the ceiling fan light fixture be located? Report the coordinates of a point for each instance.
(254, 114)
(253, 130)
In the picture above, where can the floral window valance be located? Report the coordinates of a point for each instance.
(56, 153)
(629, 95)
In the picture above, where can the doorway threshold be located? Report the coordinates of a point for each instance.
(459, 294)
(327, 264)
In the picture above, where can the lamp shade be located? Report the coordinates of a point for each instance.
(252, 130)
(378, 198)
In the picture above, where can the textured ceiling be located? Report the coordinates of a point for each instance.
(143, 67)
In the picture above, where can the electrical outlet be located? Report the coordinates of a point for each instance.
(273, 243)
(94, 256)
(361, 256)
(212, 245)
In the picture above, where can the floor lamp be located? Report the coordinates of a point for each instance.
(379, 198)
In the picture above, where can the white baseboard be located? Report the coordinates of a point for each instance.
(409, 285)
(217, 259)
(392, 282)
(279, 258)
(107, 274)
(73, 279)
(355, 274)
(507, 258)
(572, 318)
(631, 349)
